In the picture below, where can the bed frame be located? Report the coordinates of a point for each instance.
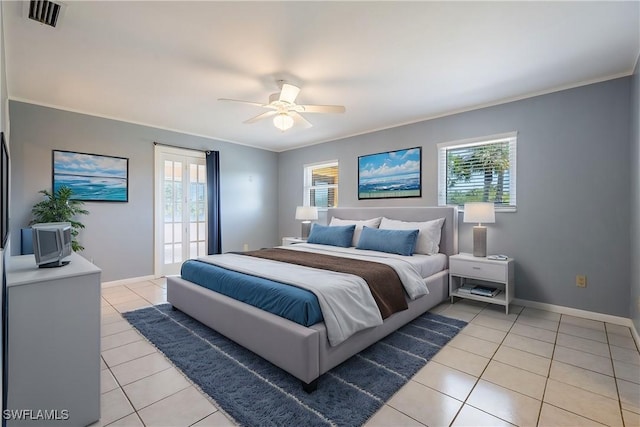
(308, 354)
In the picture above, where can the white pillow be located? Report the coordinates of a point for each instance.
(372, 223)
(428, 242)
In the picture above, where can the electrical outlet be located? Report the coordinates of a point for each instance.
(581, 281)
(245, 247)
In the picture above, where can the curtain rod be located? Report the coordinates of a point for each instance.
(181, 148)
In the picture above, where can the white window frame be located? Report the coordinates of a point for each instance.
(308, 173)
(511, 137)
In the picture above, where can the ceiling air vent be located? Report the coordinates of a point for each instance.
(45, 12)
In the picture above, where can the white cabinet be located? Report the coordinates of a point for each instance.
(53, 342)
(466, 267)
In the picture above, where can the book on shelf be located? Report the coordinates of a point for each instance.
(465, 289)
(485, 291)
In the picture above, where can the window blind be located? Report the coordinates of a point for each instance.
(480, 170)
(321, 185)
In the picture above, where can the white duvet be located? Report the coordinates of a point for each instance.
(345, 299)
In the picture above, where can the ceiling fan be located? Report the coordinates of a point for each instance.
(284, 110)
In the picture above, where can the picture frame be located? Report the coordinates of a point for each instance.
(4, 192)
(390, 174)
(91, 177)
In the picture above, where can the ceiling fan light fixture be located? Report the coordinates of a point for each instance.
(284, 110)
(283, 121)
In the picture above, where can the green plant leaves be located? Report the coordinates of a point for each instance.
(58, 206)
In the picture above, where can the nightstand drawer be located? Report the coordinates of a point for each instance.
(478, 270)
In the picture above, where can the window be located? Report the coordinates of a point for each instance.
(321, 185)
(478, 170)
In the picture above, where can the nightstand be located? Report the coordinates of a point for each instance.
(291, 240)
(466, 267)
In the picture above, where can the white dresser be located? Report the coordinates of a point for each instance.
(53, 340)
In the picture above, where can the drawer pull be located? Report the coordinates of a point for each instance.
(476, 268)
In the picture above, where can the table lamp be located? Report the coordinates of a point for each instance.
(306, 214)
(479, 212)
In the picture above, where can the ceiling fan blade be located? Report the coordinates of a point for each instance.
(289, 93)
(299, 120)
(323, 108)
(259, 104)
(261, 116)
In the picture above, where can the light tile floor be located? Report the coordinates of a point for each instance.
(529, 368)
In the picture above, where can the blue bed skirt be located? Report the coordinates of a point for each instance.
(296, 304)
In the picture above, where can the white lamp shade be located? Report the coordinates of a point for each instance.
(283, 121)
(306, 213)
(479, 212)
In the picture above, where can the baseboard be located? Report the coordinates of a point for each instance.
(128, 281)
(616, 320)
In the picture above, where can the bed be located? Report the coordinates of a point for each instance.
(309, 353)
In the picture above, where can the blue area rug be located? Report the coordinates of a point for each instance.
(256, 393)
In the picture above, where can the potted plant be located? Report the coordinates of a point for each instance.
(58, 206)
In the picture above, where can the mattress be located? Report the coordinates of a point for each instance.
(292, 303)
(287, 301)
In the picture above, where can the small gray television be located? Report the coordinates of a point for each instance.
(51, 243)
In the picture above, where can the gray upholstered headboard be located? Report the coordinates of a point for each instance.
(449, 238)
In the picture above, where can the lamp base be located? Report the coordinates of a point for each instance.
(480, 241)
(306, 228)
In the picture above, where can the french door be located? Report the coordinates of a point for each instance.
(180, 208)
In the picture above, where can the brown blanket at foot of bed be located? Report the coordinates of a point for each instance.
(383, 281)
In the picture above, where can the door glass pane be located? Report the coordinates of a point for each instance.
(168, 170)
(177, 214)
(177, 232)
(177, 253)
(177, 197)
(168, 233)
(201, 211)
(193, 250)
(168, 254)
(202, 231)
(193, 211)
(168, 212)
(193, 231)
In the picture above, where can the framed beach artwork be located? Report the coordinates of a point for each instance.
(91, 177)
(391, 174)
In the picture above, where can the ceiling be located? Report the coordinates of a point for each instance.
(165, 64)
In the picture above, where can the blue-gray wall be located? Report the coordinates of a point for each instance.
(119, 236)
(573, 183)
(635, 197)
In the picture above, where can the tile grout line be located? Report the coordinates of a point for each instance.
(615, 377)
(477, 379)
(464, 402)
(546, 382)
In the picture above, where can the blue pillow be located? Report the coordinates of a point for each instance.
(334, 236)
(401, 242)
